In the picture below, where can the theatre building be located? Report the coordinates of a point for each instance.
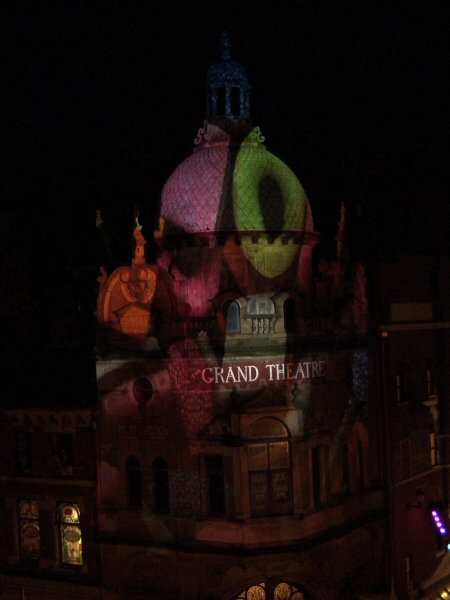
(238, 438)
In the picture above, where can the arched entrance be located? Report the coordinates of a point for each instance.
(271, 591)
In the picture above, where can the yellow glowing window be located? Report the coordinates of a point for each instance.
(262, 591)
(29, 530)
(70, 531)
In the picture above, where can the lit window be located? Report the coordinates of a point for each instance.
(70, 532)
(269, 465)
(233, 317)
(134, 483)
(161, 485)
(262, 591)
(30, 535)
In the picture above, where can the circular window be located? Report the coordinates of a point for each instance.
(143, 390)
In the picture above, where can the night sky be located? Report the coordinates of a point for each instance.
(103, 101)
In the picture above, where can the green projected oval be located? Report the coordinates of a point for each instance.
(267, 195)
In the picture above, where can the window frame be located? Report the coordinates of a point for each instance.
(260, 477)
(66, 524)
(29, 521)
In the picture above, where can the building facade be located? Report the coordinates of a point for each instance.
(414, 324)
(238, 438)
(48, 499)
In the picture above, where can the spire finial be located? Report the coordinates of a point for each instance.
(225, 45)
(137, 225)
(138, 240)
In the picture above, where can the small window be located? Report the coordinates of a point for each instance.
(70, 532)
(143, 390)
(161, 485)
(63, 455)
(30, 535)
(216, 484)
(233, 317)
(289, 309)
(134, 482)
(22, 453)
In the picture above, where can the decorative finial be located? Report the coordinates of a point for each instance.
(136, 217)
(225, 44)
(138, 240)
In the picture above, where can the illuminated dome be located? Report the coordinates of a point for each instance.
(231, 182)
(227, 187)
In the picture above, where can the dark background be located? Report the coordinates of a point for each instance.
(103, 100)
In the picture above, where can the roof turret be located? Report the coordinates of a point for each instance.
(228, 89)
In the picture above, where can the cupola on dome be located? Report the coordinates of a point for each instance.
(228, 89)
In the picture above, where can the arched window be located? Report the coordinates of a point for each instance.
(235, 101)
(345, 470)
(269, 464)
(161, 485)
(70, 534)
(221, 102)
(232, 313)
(30, 535)
(134, 482)
(289, 315)
(263, 591)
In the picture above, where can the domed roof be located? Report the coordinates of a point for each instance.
(226, 72)
(226, 186)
